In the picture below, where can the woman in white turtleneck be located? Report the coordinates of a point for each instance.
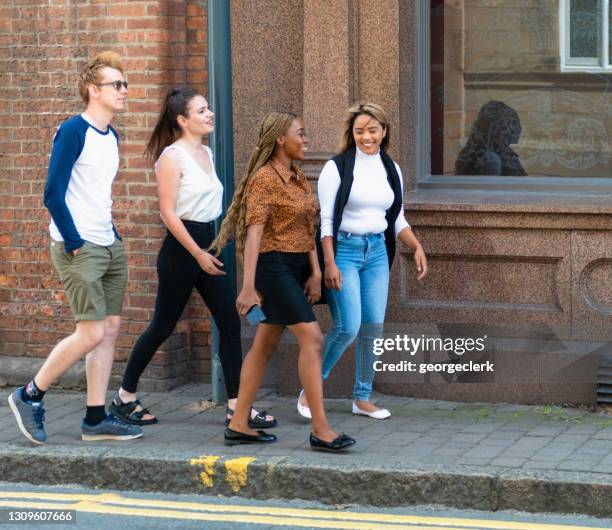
(360, 193)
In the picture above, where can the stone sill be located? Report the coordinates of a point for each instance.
(479, 201)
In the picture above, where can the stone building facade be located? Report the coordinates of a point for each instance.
(523, 261)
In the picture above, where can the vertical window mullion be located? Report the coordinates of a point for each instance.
(605, 28)
(565, 6)
(423, 115)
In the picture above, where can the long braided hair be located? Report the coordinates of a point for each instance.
(273, 125)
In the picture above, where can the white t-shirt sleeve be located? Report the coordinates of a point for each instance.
(400, 222)
(327, 186)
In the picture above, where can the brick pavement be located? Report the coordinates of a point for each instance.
(480, 440)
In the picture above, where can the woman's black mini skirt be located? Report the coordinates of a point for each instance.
(280, 278)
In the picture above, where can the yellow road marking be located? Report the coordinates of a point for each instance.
(92, 507)
(236, 472)
(115, 504)
(208, 461)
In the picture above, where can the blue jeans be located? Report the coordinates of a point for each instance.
(359, 307)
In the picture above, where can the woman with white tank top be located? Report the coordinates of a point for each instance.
(190, 200)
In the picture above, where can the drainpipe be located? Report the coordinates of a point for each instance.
(221, 143)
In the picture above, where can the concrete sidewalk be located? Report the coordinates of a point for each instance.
(481, 456)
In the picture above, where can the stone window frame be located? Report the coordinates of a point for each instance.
(602, 63)
(600, 187)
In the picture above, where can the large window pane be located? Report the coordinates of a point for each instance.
(500, 104)
(585, 17)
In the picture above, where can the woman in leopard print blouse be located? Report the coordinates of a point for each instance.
(271, 218)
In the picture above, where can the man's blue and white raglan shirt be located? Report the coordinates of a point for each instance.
(84, 162)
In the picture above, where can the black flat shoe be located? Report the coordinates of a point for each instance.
(258, 422)
(339, 443)
(236, 438)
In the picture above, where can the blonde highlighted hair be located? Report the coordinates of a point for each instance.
(91, 73)
(274, 125)
(347, 140)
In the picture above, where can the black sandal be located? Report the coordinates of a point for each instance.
(131, 412)
(258, 422)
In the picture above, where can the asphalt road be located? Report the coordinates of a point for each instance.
(102, 509)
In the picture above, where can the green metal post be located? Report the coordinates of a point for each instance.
(221, 142)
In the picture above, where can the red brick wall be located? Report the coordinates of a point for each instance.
(43, 44)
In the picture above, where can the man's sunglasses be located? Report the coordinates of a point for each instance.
(116, 84)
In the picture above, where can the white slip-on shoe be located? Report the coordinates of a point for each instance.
(380, 414)
(304, 411)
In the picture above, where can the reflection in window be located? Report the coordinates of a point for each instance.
(500, 102)
(487, 150)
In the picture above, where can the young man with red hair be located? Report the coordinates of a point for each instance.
(87, 252)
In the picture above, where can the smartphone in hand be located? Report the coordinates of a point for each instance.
(255, 315)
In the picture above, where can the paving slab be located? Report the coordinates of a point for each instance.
(429, 452)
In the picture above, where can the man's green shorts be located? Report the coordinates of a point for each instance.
(94, 280)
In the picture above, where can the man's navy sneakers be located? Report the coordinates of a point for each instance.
(30, 417)
(110, 428)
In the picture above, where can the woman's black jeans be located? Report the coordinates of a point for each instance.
(178, 274)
